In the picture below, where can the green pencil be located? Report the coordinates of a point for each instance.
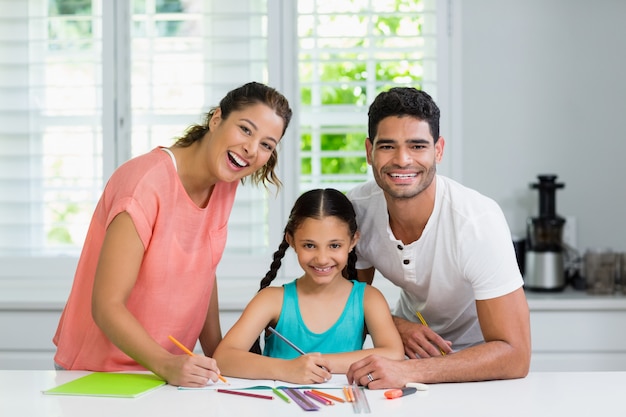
(281, 395)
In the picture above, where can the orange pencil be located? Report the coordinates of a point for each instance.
(325, 394)
(347, 391)
(190, 353)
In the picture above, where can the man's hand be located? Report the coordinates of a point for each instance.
(383, 373)
(421, 341)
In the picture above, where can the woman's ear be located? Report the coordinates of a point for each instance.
(216, 118)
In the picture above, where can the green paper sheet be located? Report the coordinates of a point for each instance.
(105, 384)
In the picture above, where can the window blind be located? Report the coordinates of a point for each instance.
(63, 129)
(349, 51)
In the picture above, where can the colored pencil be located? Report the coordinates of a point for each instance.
(347, 392)
(421, 318)
(296, 348)
(281, 395)
(318, 398)
(190, 353)
(327, 395)
(246, 394)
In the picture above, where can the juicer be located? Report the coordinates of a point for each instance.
(544, 259)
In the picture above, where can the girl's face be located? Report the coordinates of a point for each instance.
(322, 247)
(241, 144)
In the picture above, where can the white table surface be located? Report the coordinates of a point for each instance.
(567, 394)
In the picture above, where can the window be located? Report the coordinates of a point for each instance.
(87, 84)
(349, 51)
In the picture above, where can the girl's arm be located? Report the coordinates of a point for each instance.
(235, 359)
(379, 323)
(118, 267)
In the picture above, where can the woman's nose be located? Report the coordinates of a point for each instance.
(250, 147)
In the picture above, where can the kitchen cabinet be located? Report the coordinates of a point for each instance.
(571, 331)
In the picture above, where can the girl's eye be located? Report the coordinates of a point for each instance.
(267, 146)
(245, 130)
(309, 245)
(335, 246)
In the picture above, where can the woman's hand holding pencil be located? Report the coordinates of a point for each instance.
(196, 375)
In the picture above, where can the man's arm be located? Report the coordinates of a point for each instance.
(366, 275)
(505, 324)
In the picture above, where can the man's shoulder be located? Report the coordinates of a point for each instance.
(462, 196)
(365, 191)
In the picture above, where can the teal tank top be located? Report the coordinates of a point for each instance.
(346, 335)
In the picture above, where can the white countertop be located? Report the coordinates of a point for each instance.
(234, 296)
(570, 394)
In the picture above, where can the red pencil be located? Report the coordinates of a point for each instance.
(246, 394)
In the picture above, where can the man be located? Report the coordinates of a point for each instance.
(447, 247)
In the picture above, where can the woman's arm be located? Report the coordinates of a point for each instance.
(118, 267)
(235, 359)
(211, 333)
(380, 326)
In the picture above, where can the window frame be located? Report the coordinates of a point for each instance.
(52, 277)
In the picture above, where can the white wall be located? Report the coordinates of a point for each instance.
(544, 91)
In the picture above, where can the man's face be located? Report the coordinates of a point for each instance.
(403, 156)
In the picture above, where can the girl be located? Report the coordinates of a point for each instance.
(147, 269)
(319, 312)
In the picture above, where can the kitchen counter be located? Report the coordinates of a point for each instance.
(571, 299)
(235, 295)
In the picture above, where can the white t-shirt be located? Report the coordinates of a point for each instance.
(465, 254)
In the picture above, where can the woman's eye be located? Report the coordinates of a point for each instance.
(267, 146)
(245, 130)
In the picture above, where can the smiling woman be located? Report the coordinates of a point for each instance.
(156, 237)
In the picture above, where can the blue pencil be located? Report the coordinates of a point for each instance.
(300, 351)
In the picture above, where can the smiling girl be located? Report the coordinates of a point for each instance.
(321, 312)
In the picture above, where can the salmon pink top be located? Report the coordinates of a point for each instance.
(183, 245)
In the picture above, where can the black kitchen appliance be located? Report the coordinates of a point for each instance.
(544, 258)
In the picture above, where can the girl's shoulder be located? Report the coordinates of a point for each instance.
(371, 292)
(270, 293)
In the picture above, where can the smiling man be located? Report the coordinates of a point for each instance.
(446, 246)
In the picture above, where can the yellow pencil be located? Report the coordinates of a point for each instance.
(347, 392)
(421, 318)
(190, 353)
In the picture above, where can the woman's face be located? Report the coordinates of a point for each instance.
(241, 144)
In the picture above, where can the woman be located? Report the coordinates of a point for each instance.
(147, 269)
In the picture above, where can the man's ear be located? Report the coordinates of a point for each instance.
(368, 150)
(441, 142)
